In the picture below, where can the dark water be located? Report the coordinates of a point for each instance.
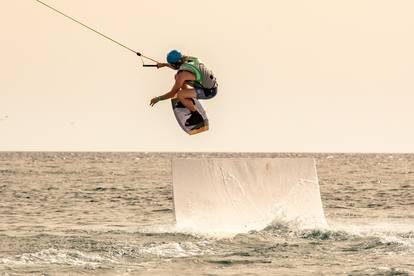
(111, 214)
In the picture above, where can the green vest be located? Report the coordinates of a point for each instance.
(204, 77)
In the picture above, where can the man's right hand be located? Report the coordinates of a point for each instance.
(160, 65)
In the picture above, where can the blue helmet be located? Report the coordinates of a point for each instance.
(174, 56)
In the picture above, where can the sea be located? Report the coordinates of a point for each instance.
(111, 213)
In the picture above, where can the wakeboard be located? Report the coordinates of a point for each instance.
(182, 114)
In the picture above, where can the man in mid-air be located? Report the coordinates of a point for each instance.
(192, 81)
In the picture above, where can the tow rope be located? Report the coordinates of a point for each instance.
(105, 36)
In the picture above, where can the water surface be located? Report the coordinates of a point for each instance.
(112, 214)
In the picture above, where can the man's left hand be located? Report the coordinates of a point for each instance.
(154, 101)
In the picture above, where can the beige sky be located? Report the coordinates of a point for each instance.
(301, 76)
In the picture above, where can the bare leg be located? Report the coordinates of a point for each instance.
(185, 96)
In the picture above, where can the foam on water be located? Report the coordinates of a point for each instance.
(397, 233)
(178, 249)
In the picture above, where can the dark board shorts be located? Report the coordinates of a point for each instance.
(205, 93)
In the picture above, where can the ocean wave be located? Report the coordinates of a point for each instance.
(384, 234)
(58, 257)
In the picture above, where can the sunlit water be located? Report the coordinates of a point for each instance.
(112, 214)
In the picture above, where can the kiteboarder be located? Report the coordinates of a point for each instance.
(192, 81)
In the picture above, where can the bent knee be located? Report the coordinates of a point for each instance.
(179, 97)
(186, 94)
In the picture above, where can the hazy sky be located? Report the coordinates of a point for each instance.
(301, 76)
